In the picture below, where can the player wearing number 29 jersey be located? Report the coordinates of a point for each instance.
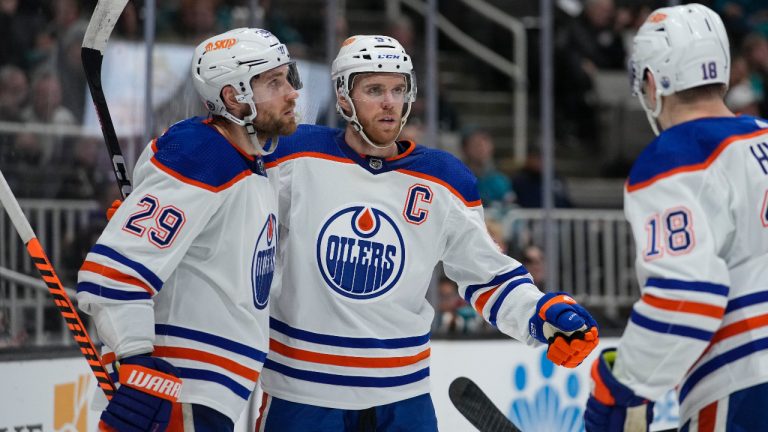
(196, 240)
(178, 283)
(697, 200)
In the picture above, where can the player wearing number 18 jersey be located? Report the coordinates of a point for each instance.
(697, 200)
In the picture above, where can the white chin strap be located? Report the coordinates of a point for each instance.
(652, 114)
(359, 127)
(247, 123)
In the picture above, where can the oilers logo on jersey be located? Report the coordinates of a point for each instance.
(263, 262)
(360, 252)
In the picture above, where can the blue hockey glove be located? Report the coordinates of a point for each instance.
(148, 388)
(612, 406)
(568, 329)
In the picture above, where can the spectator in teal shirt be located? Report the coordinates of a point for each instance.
(494, 186)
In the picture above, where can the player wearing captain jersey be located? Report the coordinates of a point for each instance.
(697, 200)
(178, 283)
(364, 220)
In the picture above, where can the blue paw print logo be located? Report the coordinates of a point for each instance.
(554, 407)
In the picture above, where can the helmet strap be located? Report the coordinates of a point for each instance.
(247, 123)
(353, 120)
(652, 114)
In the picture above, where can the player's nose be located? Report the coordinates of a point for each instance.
(293, 94)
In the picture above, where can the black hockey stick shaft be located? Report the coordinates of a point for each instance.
(477, 408)
(100, 27)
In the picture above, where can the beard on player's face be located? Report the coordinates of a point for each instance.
(380, 123)
(270, 121)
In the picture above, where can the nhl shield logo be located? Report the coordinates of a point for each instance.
(263, 262)
(360, 252)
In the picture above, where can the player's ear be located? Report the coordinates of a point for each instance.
(649, 88)
(343, 102)
(229, 98)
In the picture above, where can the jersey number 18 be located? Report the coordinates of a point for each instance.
(672, 232)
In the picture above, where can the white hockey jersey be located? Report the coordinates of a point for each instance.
(185, 266)
(697, 199)
(360, 237)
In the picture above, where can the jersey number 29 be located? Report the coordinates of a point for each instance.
(168, 221)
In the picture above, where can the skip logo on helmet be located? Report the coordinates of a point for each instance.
(220, 44)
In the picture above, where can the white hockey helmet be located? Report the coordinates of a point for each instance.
(233, 59)
(682, 47)
(371, 54)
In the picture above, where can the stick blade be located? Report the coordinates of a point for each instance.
(102, 22)
(477, 408)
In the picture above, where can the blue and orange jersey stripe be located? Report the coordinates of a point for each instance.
(346, 341)
(194, 152)
(347, 380)
(472, 203)
(684, 306)
(690, 147)
(116, 275)
(200, 356)
(184, 179)
(346, 360)
(320, 142)
(308, 154)
(148, 275)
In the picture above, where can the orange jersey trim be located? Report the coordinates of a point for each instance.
(483, 298)
(184, 179)
(209, 122)
(206, 357)
(405, 153)
(115, 275)
(684, 306)
(738, 328)
(349, 361)
(695, 167)
(197, 355)
(316, 155)
(476, 203)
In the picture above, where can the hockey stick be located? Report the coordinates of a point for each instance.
(102, 22)
(476, 407)
(60, 297)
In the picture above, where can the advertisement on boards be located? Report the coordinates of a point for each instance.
(55, 395)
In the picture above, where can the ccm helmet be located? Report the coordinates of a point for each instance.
(371, 54)
(682, 47)
(232, 59)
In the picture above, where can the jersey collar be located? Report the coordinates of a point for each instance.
(377, 165)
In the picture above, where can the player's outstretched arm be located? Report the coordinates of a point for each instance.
(567, 328)
(148, 388)
(612, 406)
(503, 292)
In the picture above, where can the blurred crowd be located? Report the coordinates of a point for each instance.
(595, 36)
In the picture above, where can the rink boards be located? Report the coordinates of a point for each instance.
(55, 395)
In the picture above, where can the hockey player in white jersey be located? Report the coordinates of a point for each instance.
(364, 221)
(697, 200)
(178, 283)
